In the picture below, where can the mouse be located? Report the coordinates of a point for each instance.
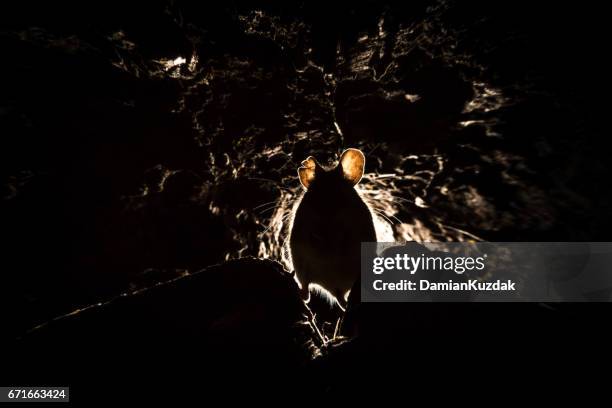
(330, 222)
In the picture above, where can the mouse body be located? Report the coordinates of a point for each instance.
(329, 225)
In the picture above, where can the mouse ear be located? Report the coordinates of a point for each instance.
(308, 171)
(352, 162)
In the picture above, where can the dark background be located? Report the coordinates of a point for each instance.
(119, 171)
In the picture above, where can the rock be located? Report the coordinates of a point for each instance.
(244, 314)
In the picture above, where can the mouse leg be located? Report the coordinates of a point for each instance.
(312, 322)
(303, 287)
(337, 328)
(340, 300)
(305, 293)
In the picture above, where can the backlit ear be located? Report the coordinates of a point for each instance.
(308, 171)
(352, 162)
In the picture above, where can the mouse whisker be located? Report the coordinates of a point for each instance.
(270, 209)
(283, 219)
(381, 211)
(265, 204)
(384, 216)
(397, 219)
(459, 230)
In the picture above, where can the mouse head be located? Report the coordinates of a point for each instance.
(349, 170)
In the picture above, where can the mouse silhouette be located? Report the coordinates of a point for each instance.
(329, 225)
